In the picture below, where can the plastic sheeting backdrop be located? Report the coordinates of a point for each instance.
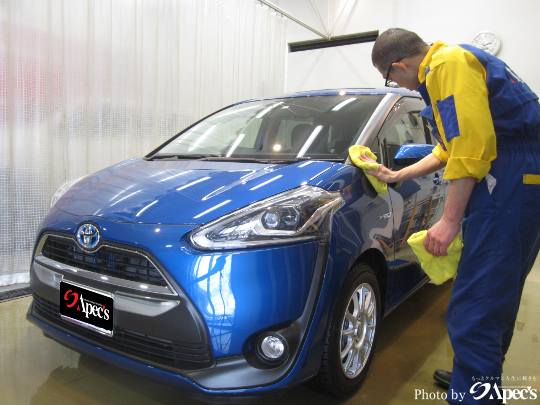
(85, 84)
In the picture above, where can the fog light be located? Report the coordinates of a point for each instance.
(273, 347)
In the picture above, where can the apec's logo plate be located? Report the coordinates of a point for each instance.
(87, 308)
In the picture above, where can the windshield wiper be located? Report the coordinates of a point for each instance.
(221, 158)
(179, 157)
(269, 160)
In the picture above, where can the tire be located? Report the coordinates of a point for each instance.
(351, 336)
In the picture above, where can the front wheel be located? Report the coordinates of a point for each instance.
(350, 340)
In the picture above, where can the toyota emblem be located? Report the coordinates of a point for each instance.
(88, 236)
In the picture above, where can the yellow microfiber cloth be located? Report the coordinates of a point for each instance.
(441, 268)
(355, 152)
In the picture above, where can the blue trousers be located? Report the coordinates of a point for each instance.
(501, 233)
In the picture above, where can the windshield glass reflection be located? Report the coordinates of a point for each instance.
(319, 127)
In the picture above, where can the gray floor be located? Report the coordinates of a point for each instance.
(413, 342)
(13, 287)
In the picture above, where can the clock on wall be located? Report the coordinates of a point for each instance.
(488, 41)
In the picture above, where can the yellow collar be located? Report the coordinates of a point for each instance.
(436, 47)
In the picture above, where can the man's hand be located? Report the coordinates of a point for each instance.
(427, 165)
(383, 174)
(440, 236)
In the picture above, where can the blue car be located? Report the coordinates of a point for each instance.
(247, 254)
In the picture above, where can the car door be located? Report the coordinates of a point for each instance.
(417, 204)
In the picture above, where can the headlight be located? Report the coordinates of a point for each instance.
(296, 215)
(64, 187)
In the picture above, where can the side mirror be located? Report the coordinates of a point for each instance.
(411, 153)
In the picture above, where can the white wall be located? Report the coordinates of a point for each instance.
(454, 22)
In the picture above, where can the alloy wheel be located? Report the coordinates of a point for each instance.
(358, 330)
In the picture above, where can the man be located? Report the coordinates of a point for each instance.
(487, 121)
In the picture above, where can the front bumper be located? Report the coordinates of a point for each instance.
(169, 333)
(188, 388)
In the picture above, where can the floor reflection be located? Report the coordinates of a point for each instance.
(96, 382)
(412, 343)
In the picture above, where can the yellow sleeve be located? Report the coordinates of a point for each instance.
(457, 86)
(441, 154)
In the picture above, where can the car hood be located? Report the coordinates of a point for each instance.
(181, 192)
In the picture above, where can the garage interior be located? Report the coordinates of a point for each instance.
(91, 83)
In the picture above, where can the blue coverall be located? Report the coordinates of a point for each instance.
(501, 227)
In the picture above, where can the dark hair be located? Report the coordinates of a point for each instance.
(393, 44)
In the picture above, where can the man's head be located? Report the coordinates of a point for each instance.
(397, 55)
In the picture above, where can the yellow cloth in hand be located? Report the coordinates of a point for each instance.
(439, 269)
(355, 152)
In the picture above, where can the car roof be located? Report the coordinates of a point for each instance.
(343, 91)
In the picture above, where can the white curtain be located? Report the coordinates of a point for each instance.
(88, 83)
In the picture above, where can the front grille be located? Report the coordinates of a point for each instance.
(164, 352)
(109, 261)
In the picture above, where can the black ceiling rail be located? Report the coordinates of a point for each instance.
(369, 36)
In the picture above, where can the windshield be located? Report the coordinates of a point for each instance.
(317, 127)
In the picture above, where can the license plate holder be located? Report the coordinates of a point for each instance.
(87, 307)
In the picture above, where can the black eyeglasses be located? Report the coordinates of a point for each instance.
(390, 83)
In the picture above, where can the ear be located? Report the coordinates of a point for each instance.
(409, 65)
(401, 66)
